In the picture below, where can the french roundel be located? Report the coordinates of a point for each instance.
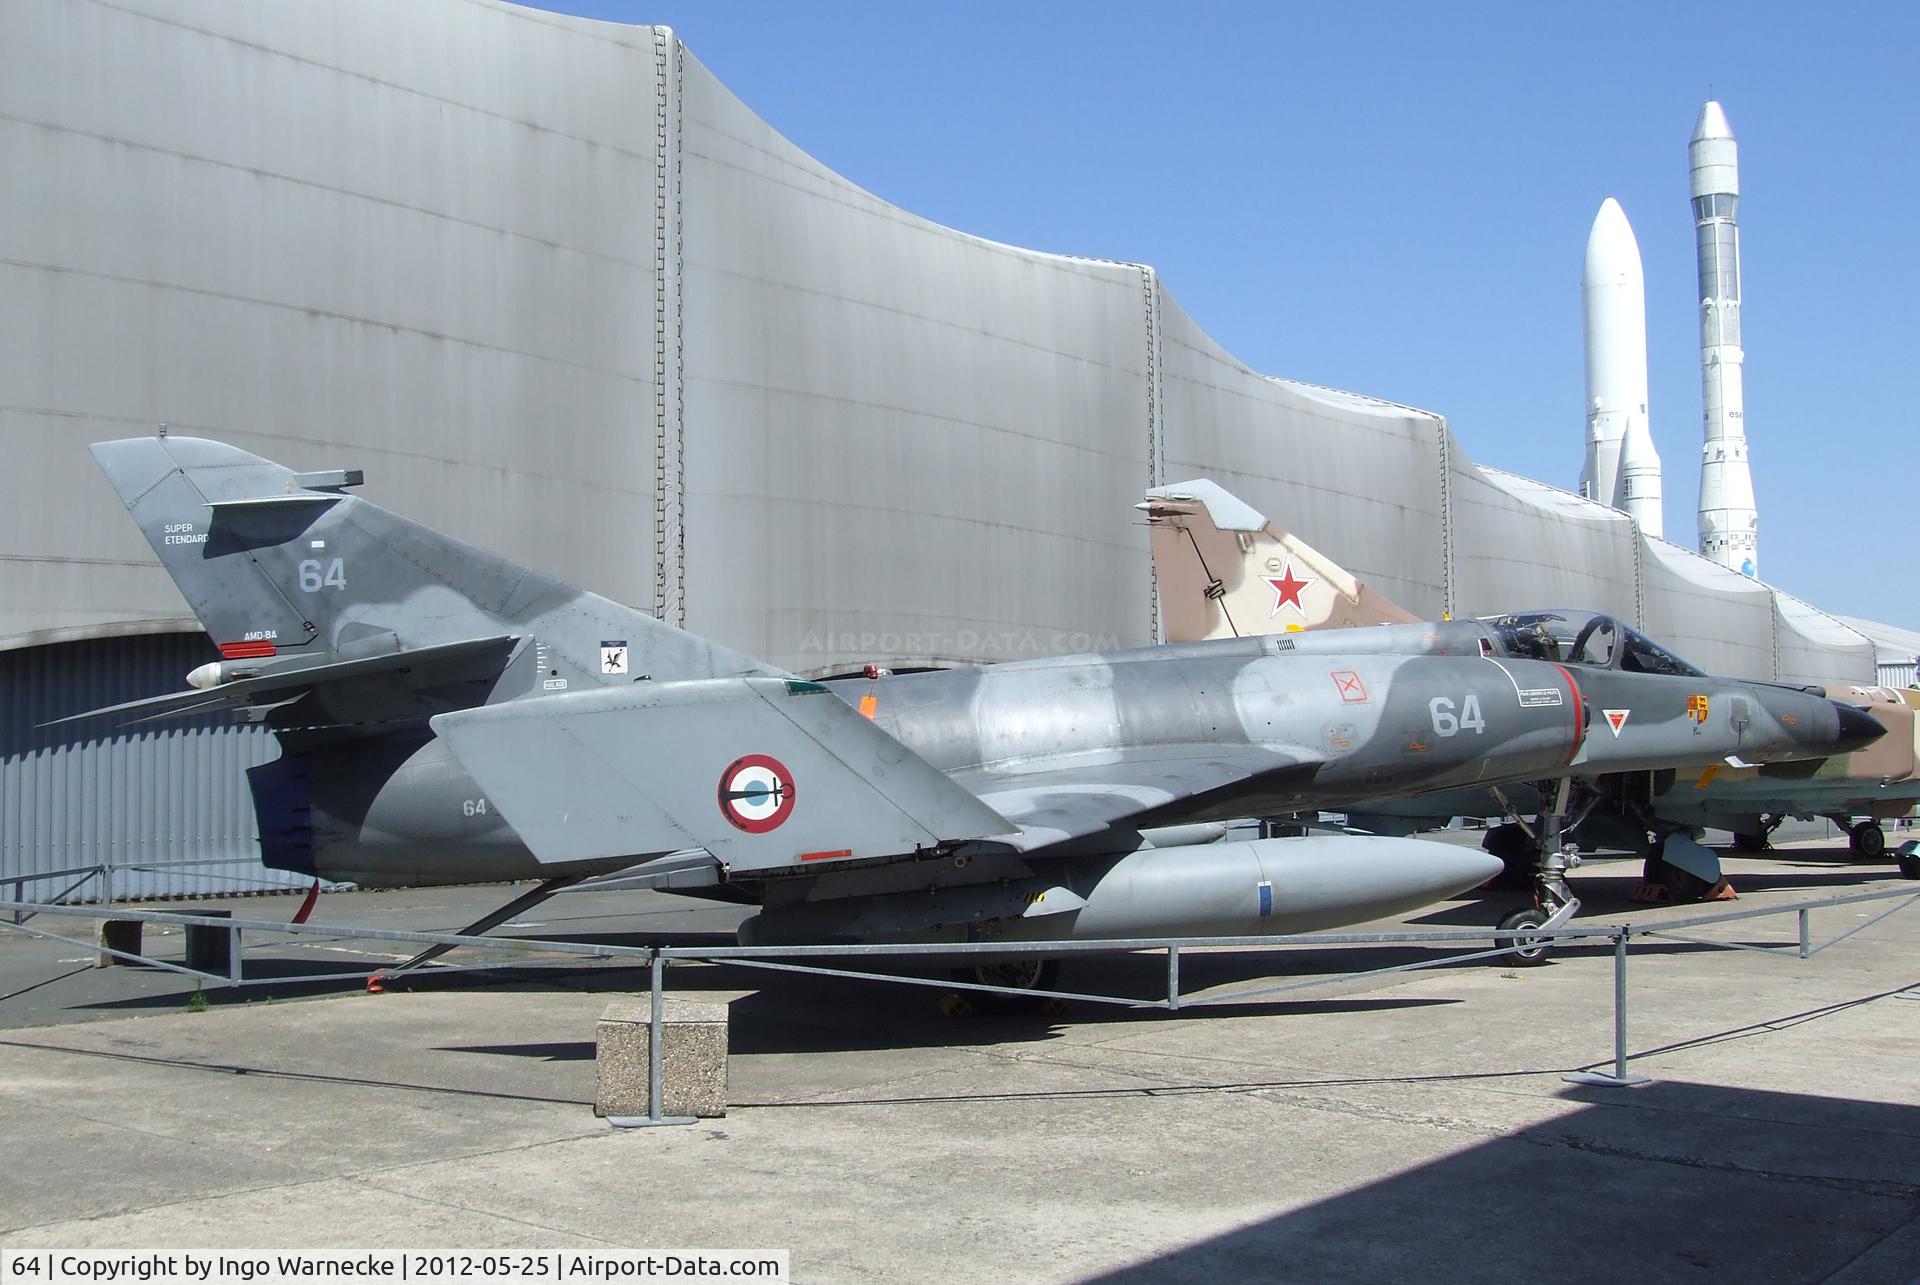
(756, 793)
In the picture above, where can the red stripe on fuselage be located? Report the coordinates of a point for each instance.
(246, 650)
(1579, 712)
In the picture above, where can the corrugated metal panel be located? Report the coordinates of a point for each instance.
(1519, 544)
(1813, 647)
(1898, 675)
(292, 228)
(561, 293)
(903, 444)
(1356, 477)
(169, 796)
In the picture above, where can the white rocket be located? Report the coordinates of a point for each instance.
(1622, 469)
(1728, 524)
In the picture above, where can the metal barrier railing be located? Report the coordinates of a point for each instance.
(775, 958)
(109, 890)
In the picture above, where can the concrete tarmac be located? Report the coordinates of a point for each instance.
(1414, 1126)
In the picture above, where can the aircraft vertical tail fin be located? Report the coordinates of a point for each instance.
(1225, 571)
(279, 563)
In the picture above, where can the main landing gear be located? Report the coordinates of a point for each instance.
(1761, 840)
(1027, 974)
(1867, 841)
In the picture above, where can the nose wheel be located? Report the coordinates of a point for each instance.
(1527, 952)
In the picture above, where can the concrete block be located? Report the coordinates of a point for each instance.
(210, 949)
(119, 934)
(693, 1058)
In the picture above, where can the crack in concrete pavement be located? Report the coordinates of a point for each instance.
(1856, 1186)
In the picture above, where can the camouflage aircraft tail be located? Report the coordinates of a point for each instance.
(1227, 572)
(291, 574)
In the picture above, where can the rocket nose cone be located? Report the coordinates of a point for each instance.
(1858, 729)
(1612, 250)
(1712, 123)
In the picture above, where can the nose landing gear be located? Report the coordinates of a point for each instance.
(1538, 854)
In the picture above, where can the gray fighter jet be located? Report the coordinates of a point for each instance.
(447, 715)
(1226, 571)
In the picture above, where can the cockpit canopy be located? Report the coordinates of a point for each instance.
(1588, 638)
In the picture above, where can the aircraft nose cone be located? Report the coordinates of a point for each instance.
(1858, 729)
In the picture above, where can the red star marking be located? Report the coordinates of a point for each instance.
(1286, 589)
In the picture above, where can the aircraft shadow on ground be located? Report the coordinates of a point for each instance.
(1609, 900)
(1667, 1181)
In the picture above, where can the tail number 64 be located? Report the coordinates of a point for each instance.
(315, 575)
(1446, 722)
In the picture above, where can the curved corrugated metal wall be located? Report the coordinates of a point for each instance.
(561, 293)
(165, 804)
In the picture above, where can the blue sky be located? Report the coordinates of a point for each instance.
(1395, 198)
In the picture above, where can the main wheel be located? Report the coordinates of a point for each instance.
(1516, 851)
(1744, 842)
(1032, 974)
(1528, 952)
(1909, 864)
(1867, 841)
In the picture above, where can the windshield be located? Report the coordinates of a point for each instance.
(1564, 637)
(1645, 656)
(1589, 638)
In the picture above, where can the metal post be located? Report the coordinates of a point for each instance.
(106, 885)
(656, 1034)
(233, 956)
(1619, 1078)
(1173, 977)
(1620, 1007)
(656, 1037)
(1806, 939)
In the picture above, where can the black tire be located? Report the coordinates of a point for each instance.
(1867, 841)
(1526, 952)
(1743, 842)
(1909, 866)
(1517, 855)
(1027, 974)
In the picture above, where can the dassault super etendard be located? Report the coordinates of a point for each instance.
(448, 715)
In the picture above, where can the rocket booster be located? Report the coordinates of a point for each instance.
(1729, 525)
(1622, 469)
